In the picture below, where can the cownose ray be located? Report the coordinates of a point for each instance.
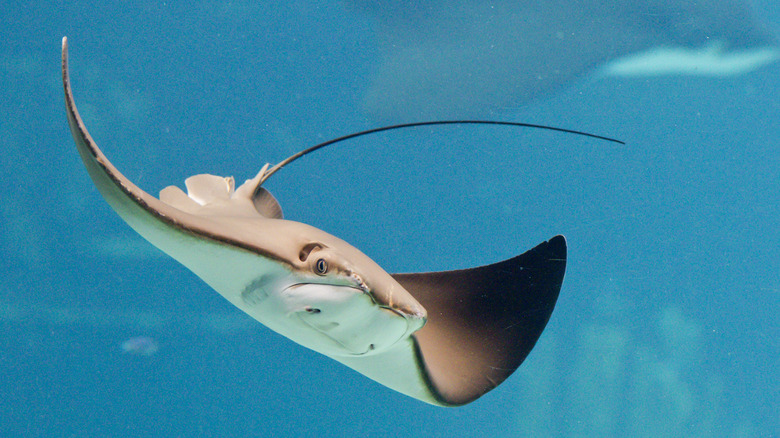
(445, 338)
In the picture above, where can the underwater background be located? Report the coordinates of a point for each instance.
(667, 320)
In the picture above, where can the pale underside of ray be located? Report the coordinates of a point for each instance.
(709, 60)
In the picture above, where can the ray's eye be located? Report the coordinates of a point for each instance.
(321, 267)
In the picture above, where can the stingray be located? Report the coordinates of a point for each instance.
(445, 338)
(472, 57)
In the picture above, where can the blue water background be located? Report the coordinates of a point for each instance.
(666, 323)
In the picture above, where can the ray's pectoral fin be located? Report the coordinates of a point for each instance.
(483, 322)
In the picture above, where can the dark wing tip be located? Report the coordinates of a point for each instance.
(483, 322)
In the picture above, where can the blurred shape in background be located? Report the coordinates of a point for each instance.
(468, 58)
(140, 346)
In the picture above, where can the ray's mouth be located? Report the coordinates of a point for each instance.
(359, 283)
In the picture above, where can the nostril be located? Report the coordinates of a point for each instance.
(312, 310)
